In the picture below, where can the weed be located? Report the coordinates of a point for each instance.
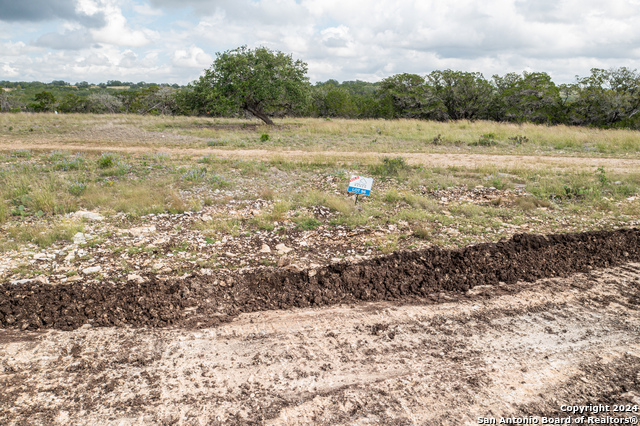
(266, 194)
(4, 211)
(77, 188)
(307, 223)
(194, 175)
(519, 139)
(602, 176)
(486, 140)
(264, 137)
(208, 159)
(216, 143)
(44, 234)
(392, 196)
(66, 164)
(21, 153)
(422, 233)
(530, 203)
(279, 210)
(107, 160)
(390, 166)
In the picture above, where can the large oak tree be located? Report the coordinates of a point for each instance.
(259, 81)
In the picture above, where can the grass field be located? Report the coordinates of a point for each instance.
(449, 184)
(383, 136)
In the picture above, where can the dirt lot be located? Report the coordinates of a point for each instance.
(451, 343)
(477, 285)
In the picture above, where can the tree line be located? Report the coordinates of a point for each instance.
(265, 84)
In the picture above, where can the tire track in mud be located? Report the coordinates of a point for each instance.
(426, 276)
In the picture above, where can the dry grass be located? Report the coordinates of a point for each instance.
(309, 134)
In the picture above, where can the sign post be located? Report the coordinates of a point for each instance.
(360, 185)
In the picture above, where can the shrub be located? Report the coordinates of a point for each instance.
(77, 188)
(390, 166)
(107, 159)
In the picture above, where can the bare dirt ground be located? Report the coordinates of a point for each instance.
(616, 165)
(520, 350)
(453, 336)
(517, 329)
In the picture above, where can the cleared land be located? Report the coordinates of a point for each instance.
(194, 271)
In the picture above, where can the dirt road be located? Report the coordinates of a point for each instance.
(505, 161)
(522, 352)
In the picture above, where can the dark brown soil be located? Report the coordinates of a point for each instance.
(421, 276)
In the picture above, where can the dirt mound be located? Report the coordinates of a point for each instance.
(403, 276)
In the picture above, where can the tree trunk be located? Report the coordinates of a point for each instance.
(257, 112)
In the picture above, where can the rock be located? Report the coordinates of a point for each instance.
(265, 249)
(292, 268)
(25, 281)
(42, 279)
(74, 278)
(633, 397)
(40, 256)
(135, 278)
(70, 257)
(206, 218)
(282, 249)
(79, 238)
(91, 270)
(206, 271)
(229, 254)
(284, 261)
(139, 231)
(96, 217)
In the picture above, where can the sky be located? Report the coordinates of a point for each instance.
(173, 41)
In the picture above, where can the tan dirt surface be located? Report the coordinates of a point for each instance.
(616, 165)
(519, 350)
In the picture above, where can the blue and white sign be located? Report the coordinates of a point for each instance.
(360, 185)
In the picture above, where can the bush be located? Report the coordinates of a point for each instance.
(107, 159)
(77, 188)
(390, 166)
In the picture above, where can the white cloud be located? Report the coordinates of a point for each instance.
(193, 57)
(341, 39)
(116, 31)
(147, 10)
(8, 71)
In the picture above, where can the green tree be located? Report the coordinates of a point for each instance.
(461, 95)
(331, 100)
(606, 97)
(259, 81)
(528, 97)
(44, 101)
(73, 103)
(5, 105)
(404, 96)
